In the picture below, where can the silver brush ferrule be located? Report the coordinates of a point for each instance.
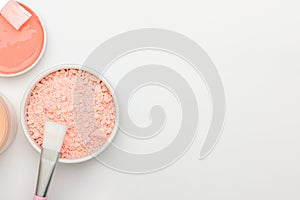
(48, 161)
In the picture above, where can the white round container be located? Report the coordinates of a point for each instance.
(38, 79)
(41, 53)
(8, 124)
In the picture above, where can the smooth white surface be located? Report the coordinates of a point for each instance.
(2, 3)
(255, 46)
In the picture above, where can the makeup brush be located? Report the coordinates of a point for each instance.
(14, 13)
(54, 134)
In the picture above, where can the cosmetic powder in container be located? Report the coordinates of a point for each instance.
(77, 97)
(20, 50)
(8, 124)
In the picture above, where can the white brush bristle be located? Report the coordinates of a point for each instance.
(54, 135)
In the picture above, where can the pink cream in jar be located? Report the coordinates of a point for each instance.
(20, 50)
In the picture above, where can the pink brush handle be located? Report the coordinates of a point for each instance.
(39, 198)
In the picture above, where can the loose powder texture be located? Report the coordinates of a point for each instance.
(78, 99)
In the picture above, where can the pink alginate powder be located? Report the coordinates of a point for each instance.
(78, 99)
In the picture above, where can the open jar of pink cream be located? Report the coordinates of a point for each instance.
(80, 99)
(8, 124)
(21, 50)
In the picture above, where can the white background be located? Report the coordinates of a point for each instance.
(255, 46)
